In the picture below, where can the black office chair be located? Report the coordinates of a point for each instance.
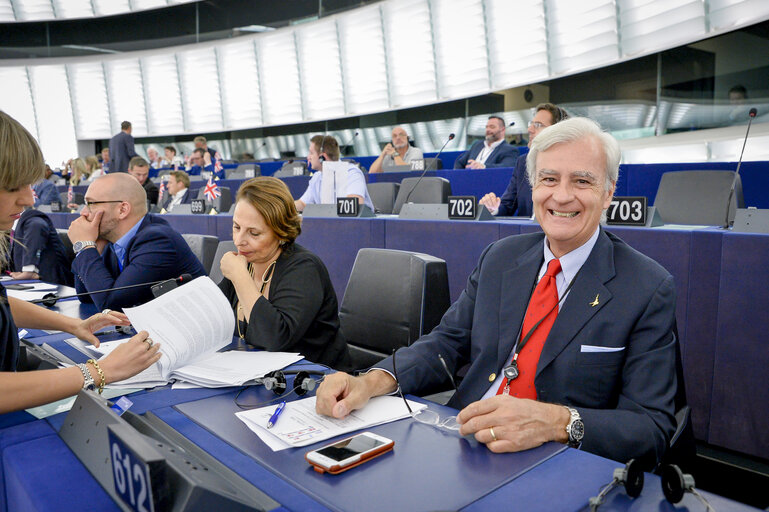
(383, 196)
(431, 190)
(697, 197)
(292, 168)
(221, 203)
(391, 299)
(67, 244)
(433, 164)
(243, 171)
(216, 272)
(204, 247)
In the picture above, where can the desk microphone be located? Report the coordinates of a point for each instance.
(751, 115)
(49, 299)
(435, 161)
(351, 139)
(512, 123)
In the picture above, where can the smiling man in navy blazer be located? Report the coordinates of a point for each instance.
(117, 243)
(605, 380)
(493, 151)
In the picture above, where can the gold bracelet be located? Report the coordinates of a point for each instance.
(100, 372)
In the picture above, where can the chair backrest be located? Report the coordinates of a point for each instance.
(196, 177)
(295, 168)
(216, 273)
(77, 198)
(697, 197)
(383, 195)
(431, 190)
(221, 203)
(181, 209)
(434, 164)
(391, 299)
(67, 244)
(204, 247)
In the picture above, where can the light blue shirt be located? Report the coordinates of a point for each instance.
(121, 246)
(356, 185)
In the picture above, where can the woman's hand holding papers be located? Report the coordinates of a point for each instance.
(130, 358)
(341, 393)
(84, 329)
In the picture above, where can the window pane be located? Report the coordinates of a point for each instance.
(126, 94)
(56, 125)
(89, 95)
(16, 100)
(242, 105)
(278, 71)
(161, 89)
(321, 73)
(200, 89)
(581, 35)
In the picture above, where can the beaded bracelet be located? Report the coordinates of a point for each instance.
(100, 372)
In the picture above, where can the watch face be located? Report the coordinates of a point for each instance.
(577, 430)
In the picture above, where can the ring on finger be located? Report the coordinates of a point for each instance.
(148, 341)
(106, 311)
(493, 435)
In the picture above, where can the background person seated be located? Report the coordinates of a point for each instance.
(153, 157)
(178, 188)
(517, 197)
(37, 251)
(140, 169)
(117, 243)
(171, 159)
(78, 171)
(21, 164)
(397, 152)
(93, 167)
(280, 292)
(493, 151)
(326, 148)
(45, 192)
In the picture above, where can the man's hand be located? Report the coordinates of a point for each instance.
(491, 202)
(518, 424)
(340, 393)
(475, 164)
(85, 329)
(24, 275)
(82, 229)
(388, 149)
(207, 158)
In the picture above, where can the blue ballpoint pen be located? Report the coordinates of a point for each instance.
(274, 417)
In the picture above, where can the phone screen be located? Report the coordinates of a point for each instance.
(350, 447)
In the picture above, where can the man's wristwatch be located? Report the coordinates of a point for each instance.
(80, 245)
(575, 428)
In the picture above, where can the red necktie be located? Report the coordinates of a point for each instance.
(543, 305)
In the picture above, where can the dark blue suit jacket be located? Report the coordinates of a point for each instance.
(46, 192)
(625, 396)
(37, 243)
(503, 155)
(185, 198)
(156, 252)
(121, 151)
(517, 197)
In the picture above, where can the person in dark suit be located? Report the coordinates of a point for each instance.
(491, 152)
(139, 168)
(604, 378)
(517, 197)
(45, 192)
(117, 243)
(121, 149)
(178, 188)
(37, 251)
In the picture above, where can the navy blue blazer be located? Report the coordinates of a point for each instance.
(121, 151)
(156, 252)
(185, 198)
(37, 243)
(46, 192)
(517, 197)
(503, 155)
(614, 362)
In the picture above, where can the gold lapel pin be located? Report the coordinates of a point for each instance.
(595, 302)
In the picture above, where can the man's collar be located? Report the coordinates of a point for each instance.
(572, 261)
(493, 145)
(124, 240)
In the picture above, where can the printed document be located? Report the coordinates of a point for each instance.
(334, 181)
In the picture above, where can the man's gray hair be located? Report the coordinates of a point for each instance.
(570, 130)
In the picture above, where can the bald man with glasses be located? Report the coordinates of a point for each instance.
(117, 243)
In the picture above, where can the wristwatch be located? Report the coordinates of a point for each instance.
(80, 245)
(575, 428)
(88, 382)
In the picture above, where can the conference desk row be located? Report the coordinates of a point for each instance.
(721, 282)
(429, 469)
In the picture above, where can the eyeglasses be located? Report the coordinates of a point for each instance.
(537, 125)
(425, 415)
(88, 203)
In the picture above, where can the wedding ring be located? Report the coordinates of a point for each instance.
(149, 343)
(106, 311)
(491, 431)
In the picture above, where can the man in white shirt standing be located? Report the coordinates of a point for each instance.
(178, 188)
(493, 151)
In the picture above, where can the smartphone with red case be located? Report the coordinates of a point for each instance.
(346, 454)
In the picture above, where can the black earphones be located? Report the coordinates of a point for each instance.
(303, 382)
(631, 476)
(676, 483)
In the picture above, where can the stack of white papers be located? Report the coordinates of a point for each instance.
(37, 291)
(220, 369)
(299, 424)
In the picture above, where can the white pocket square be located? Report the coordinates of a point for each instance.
(595, 348)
